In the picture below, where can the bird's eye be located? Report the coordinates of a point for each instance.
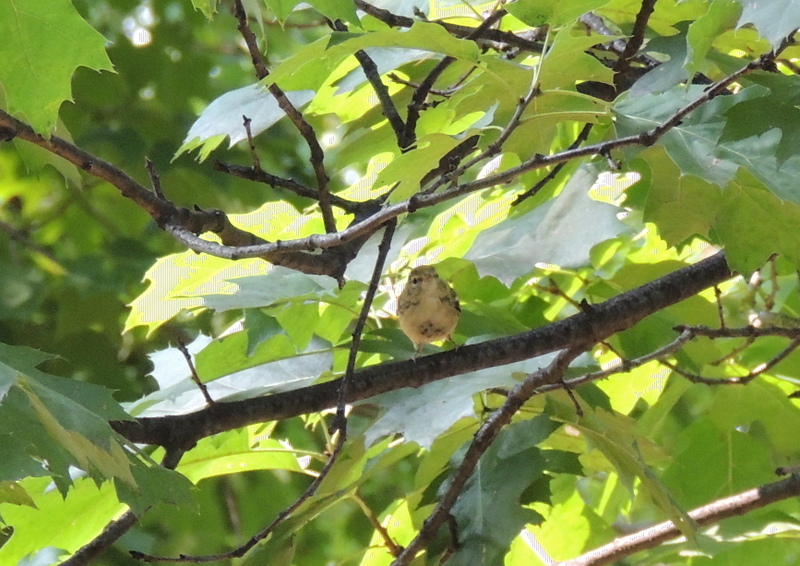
(414, 280)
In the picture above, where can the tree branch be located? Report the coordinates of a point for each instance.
(714, 512)
(422, 91)
(483, 439)
(339, 424)
(254, 173)
(184, 224)
(635, 41)
(590, 326)
(373, 76)
(465, 32)
(306, 131)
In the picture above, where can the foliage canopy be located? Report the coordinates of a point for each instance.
(208, 211)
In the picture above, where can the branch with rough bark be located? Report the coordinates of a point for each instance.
(594, 324)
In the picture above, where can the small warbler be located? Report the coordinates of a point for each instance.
(428, 307)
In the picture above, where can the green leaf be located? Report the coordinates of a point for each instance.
(539, 128)
(56, 522)
(225, 117)
(553, 12)
(234, 452)
(90, 445)
(156, 485)
(774, 19)
(208, 7)
(773, 106)
(722, 15)
(275, 365)
(422, 35)
(560, 232)
(567, 62)
(185, 281)
(680, 205)
(488, 513)
(697, 147)
(281, 8)
(336, 10)
(710, 463)
(277, 285)
(260, 327)
(423, 413)
(13, 492)
(58, 421)
(669, 73)
(228, 355)
(408, 169)
(753, 224)
(614, 436)
(44, 41)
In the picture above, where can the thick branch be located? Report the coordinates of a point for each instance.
(340, 424)
(159, 209)
(184, 224)
(592, 325)
(735, 505)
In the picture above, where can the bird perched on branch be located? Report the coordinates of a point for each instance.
(428, 307)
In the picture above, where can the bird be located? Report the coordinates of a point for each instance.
(428, 308)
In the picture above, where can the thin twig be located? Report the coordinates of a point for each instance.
(253, 153)
(418, 99)
(155, 180)
(720, 311)
(258, 537)
(261, 176)
(733, 353)
(387, 105)
(624, 366)
(306, 131)
(114, 530)
(374, 77)
(391, 545)
(193, 372)
(555, 290)
(743, 332)
(445, 92)
(579, 139)
(735, 505)
(737, 380)
(495, 147)
(492, 35)
(553, 373)
(646, 138)
(340, 422)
